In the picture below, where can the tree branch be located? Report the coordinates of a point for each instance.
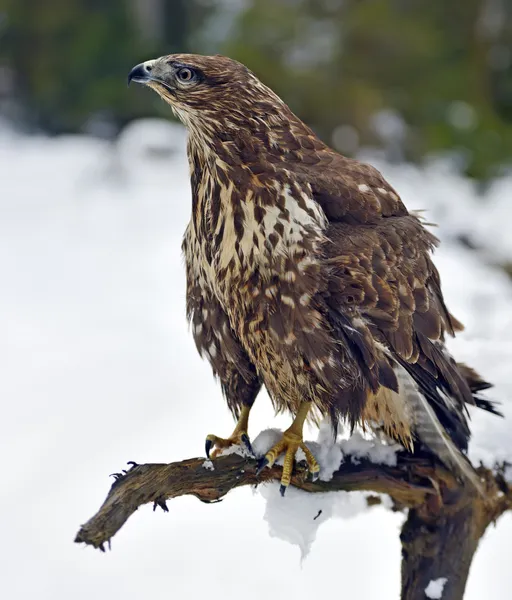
(413, 483)
(441, 543)
(439, 537)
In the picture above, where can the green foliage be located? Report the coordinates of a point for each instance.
(70, 59)
(445, 68)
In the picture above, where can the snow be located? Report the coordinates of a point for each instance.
(98, 368)
(374, 450)
(297, 517)
(330, 453)
(208, 465)
(236, 449)
(435, 588)
(268, 438)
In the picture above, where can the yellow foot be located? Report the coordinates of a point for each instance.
(238, 438)
(289, 444)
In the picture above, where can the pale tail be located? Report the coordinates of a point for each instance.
(432, 434)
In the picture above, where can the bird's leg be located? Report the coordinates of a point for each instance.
(238, 437)
(289, 444)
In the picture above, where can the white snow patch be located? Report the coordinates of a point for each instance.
(327, 452)
(330, 453)
(268, 438)
(208, 465)
(357, 447)
(152, 138)
(435, 588)
(297, 517)
(265, 440)
(235, 449)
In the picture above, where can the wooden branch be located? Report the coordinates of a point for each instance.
(440, 542)
(413, 483)
(439, 537)
(428, 541)
(157, 483)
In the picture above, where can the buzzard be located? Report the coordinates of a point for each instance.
(307, 274)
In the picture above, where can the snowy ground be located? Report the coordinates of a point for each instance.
(98, 369)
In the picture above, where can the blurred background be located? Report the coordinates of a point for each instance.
(97, 364)
(413, 78)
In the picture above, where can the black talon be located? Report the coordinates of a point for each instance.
(161, 503)
(262, 463)
(314, 476)
(208, 446)
(282, 490)
(132, 464)
(247, 442)
(116, 476)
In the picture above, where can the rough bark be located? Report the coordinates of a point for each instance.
(439, 540)
(439, 537)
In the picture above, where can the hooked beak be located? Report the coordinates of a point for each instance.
(142, 73)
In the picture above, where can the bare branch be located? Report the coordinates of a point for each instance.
(412, 483)
(439, 538)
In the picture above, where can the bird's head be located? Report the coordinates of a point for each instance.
(210, 93)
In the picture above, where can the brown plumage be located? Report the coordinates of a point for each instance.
(305, 271)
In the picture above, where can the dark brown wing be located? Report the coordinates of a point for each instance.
(381, 278)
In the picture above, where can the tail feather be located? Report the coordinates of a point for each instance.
(488, 405)
(473, 379)
(477, 384)
(432, 434)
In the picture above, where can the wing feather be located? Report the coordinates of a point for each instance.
(382, 280)
(382, 277)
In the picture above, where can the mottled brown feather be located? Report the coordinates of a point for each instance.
(305, 271)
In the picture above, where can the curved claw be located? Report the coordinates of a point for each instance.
(161, 503)
(289, 444)
(313, 466)
(247, 443)
(208, 446)
(262, 463)
(220, 444)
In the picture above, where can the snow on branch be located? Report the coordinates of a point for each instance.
(411, 482)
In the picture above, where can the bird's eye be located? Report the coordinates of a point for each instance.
(186, 75)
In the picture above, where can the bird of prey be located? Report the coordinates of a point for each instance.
(306, 274)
